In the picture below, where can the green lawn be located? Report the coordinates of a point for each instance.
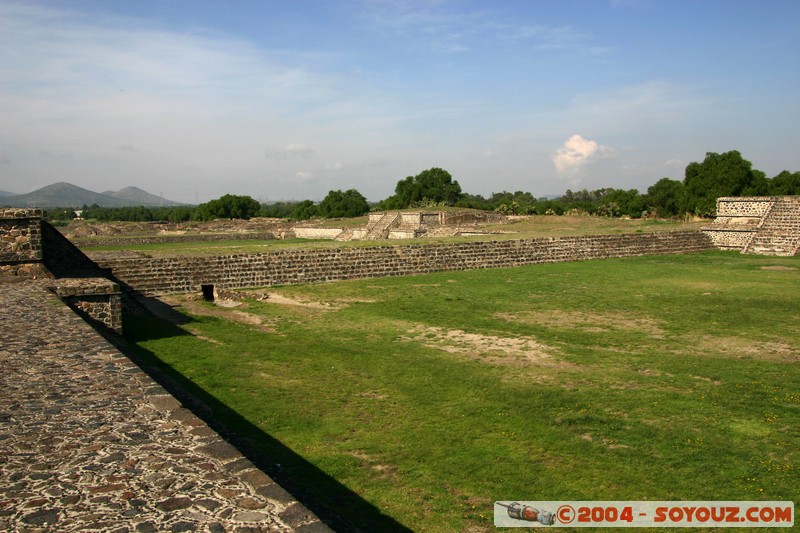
(431, 397)
(206, 248)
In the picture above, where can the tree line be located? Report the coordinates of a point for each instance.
(727, 174)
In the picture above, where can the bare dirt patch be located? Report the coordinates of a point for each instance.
(281, 299)
(227, 303)
(225, 311)
(779, 268)
(369, 462)
(373, 395)
(588, 321)
(740, 347)
(270, 296)
(202, 337)
(276, 298)
(489, 349)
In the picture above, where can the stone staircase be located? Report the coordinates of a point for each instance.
(348, 234)
(779, 230)
(379, 229)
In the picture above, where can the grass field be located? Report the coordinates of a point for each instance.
(417, 402)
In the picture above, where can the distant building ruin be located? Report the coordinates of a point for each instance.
(764, 225)
(415, 224)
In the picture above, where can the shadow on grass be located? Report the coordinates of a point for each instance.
(336, 505)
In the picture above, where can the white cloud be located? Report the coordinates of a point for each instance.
(291, 150)
(576, 153)
(303, 175)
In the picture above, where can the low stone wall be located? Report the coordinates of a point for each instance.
(154, 276)
(459, 218)
(97, 299)
(316, 233)
(744, 207)
(20, 241)
(32, 248)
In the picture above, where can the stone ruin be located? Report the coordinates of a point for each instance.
(90, 442)
(189, 478)
(408, 225)
(763, 225)
(31, 248)
(416, 224)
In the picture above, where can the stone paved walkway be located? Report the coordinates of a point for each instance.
(89, 442)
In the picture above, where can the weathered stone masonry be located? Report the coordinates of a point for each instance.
(89, 442)
(766, 225)
(154, 276)
(21, 242)
(32, 248)
(95, 299)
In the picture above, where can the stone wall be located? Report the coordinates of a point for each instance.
(154, 276)
(32, 248)
(459, 218)
(21, 242)
(96, 299)
(316, 233)
(744, 206)
(737, 220)
(779, 230)
(768, 225)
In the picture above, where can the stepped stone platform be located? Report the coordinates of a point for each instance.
(415, 224)
(89, 442)
(764, 225)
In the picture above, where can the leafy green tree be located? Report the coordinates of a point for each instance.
(175, 214)
(549, 207)
(666, 197)
(433, 185)
(619, 202)
(727, 174)
(584, 200)
(228, 206)
(304, 210)
(785, 183)
(474, 201)
(278, 209)
(338, 204)
(515, 203)
(60, 214)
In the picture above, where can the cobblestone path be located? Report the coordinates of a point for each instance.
(89, 442)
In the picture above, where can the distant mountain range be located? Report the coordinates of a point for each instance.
(63, 194)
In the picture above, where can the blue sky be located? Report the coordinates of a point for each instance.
(291, 99)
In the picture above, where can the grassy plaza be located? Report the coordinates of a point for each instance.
(417, 402)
